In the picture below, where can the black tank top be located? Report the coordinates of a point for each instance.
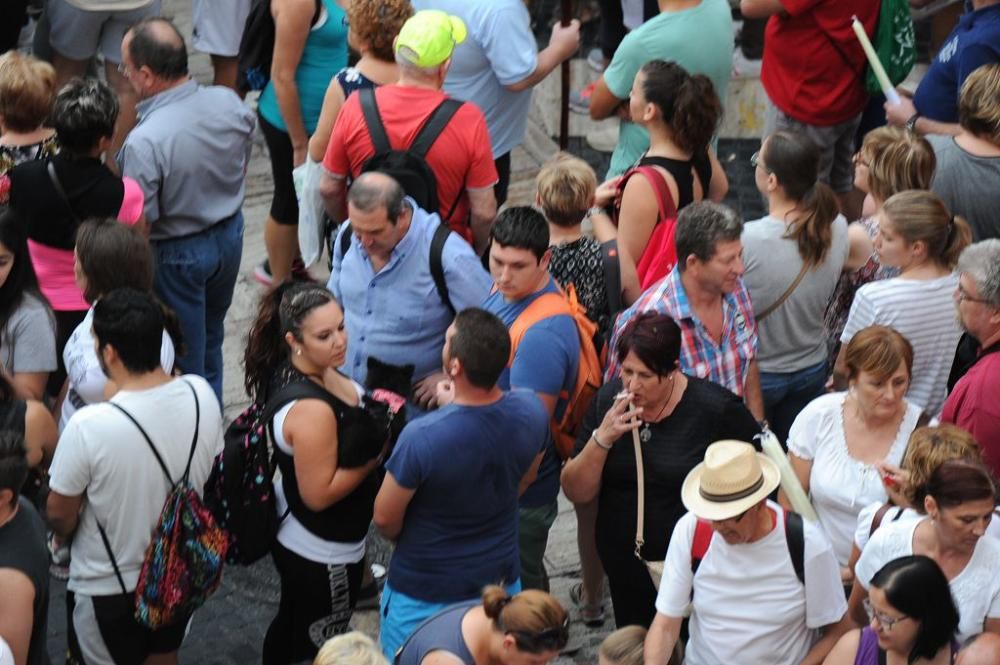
(681, 172)
(347, 520)
(22, 547)
(441, 632)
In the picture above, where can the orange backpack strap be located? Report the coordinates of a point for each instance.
(543, 307)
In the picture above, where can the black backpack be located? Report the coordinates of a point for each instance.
(409, 166)
(240, 489)
(441, 234)
(257, 46)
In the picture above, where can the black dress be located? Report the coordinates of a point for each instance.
(705, 413)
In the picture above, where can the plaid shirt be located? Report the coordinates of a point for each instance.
(725, 364)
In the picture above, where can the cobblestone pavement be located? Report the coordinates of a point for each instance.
(230, 629)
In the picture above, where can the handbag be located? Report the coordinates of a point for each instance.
(312, 214)
(655, 568)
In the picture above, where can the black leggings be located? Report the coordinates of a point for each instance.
(632, 592)
(317, 601)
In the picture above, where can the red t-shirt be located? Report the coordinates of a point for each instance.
(974, 405)
(461, 157)
(805, 75)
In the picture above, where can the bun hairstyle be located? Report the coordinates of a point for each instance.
(534, 618)
(920, 216)
(794, 161)
(688, 104)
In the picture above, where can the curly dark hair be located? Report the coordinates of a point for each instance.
(377, 22)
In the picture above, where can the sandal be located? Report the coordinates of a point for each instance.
(591, 615)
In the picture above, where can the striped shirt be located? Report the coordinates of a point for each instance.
(725, 363)
(923, 311)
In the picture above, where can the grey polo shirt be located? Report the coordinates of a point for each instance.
(189, 153)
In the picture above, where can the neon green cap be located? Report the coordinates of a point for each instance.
(429, 37)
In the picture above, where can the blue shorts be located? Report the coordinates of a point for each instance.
(407, 614)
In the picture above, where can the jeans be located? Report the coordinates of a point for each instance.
(195, 276)
(786, 394)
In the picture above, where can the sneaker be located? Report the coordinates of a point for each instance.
(596, 60)
(262, 273)
(591, 615)
(579, 101)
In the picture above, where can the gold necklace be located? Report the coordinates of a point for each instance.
(645, 433)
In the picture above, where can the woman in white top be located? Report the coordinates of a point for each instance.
(108, 256)
(959, 500)
(839, 439)
(793, 260)
(918, 235)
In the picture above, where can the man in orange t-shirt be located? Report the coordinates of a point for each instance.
(461, 157)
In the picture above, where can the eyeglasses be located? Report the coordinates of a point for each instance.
(755, 161)
(965, 297)
(885, 621)
(550, 639)
(122, 69)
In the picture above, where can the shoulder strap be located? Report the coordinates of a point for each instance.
(345, 240)
(544, 306)
(441, 234)
(640, 479)
(54, 177)
(149, 441)
(784, 296)
(435, 124)
(700, 542)
(795, 535)
(376, 129)
(664, 201)
(111, 556)
(878, 517)
(612, 275)
(303, 389)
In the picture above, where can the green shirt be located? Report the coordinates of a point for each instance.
(699, 39)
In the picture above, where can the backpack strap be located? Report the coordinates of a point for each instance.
(878, 517)
(435, 124)
(699, 544)
(345, 240)
(544, 306)
(795, 535)
(612, 275)
(373, 120)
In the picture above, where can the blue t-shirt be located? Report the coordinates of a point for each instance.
(547, 361)
(465, 463)
(974, 42)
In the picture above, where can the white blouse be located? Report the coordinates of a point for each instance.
(840, 485)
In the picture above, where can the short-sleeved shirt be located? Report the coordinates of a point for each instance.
(103, 455)
(699, 39)
(465, 463)
(749, 607)
(727, 363)
(840, 486)
(581, 263)
(28, 340)
(974, 405)
(976, 590)
(922, 311)
(974, 42)
(460, 157)
(396, 314)
(967, 185)
(500, 50)
(323, 55)
(813, 67)
(791, 337)
(546, 362)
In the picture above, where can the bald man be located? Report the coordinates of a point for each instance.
(983, 649)
(189, 153)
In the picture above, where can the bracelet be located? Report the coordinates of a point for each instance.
(596, 210)
(602, 446)
(911, 123)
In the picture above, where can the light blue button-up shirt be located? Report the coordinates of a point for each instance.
(396, 314)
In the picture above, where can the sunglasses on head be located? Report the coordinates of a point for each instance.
(550, 639)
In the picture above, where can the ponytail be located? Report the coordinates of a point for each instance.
(794, 161)
(920, 216)
(688, 104)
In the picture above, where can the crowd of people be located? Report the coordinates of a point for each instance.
(628, 342)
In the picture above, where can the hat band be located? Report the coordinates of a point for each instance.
(732, 496)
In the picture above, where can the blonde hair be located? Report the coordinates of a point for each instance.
(929, 448)
(27, 89)
(879, 351)
(897, 160)
(920, 216)
(526, 614)
(624, 646)
(566, 186)
(979, 103)
(352, 648)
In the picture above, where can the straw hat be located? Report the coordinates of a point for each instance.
(733, 478)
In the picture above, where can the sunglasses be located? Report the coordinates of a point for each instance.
(550, 639)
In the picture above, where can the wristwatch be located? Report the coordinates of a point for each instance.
(911, 124)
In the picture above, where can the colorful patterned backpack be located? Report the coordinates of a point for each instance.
(183, 562)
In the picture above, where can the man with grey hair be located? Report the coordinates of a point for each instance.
(189, 153)
(460, 157)
(973, 403)
(706, 296)
(400, 277)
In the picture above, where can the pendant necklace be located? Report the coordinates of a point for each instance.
(645, 431)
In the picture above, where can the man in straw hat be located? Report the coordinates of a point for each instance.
(749, 603)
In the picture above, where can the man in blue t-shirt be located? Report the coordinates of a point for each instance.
(974, 42)
(450, 497)
(546, 361)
